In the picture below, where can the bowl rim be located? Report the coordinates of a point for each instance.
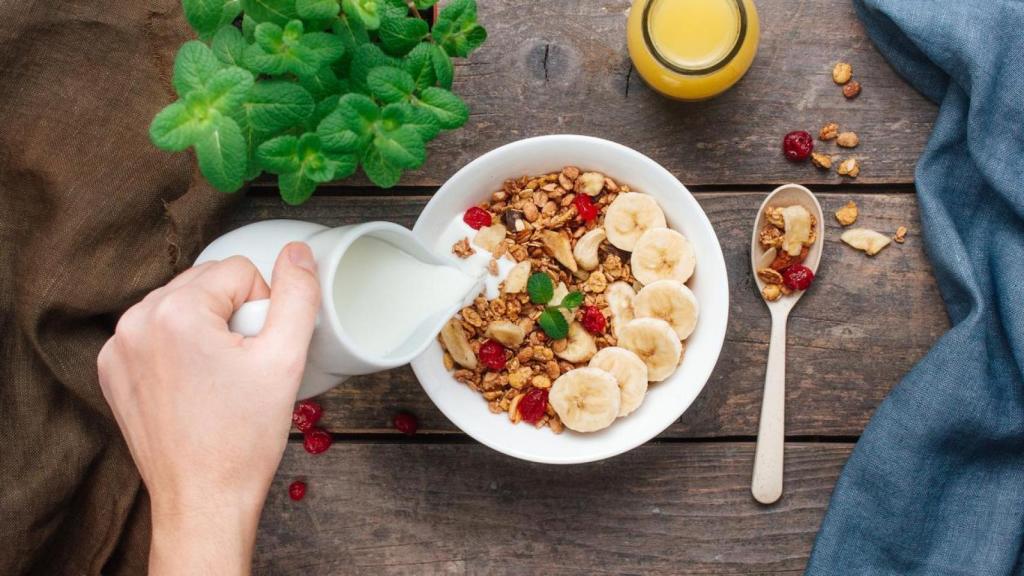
(715, 331)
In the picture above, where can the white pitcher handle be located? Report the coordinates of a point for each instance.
(249, 319)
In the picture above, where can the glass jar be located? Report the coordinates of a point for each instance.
(692, 49)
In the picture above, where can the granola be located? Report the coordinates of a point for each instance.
(785, 237)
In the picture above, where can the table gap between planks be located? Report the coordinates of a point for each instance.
(438, 503)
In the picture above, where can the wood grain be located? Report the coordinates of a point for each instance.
(678, 508)
(562, 67)
(851, 338)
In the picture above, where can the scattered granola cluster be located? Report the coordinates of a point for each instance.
(786, 238)
(798, 145)
(559, 345)
(842, 74)
(868, 241)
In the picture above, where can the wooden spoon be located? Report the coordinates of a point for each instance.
(766, 484)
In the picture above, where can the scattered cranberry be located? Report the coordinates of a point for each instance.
(405, 423)
(533, 405)
(297, 490)
(477, 218)
(316, 440)
(585, 207)
(492, 354)
(797, 277)
(797, 145)
(306, 414)
(593, 320)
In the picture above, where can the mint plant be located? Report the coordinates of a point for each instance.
(541, 290)
(311, 90)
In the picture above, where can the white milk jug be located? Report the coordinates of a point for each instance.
(385, 297)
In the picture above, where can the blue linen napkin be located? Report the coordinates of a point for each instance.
(936, 484)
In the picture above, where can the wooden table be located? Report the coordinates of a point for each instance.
(382, 503)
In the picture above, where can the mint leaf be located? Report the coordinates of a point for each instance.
(322, 110)
(450, 110)
(232, 8)
(456, 29)
(322, 84)
(275, 105)
(351, 31)
(174, 128)
(400, 35)
(301, 164)
(222, 155)
(423, 122)
(249, 28)
(553, 324)
(379, 170)
(417, 63)
(367, 11)
(194, 64)
(327, 48)
(227, 89)
(424, 4)
(366, 58)
(203, 15)
(280, 155)
(572, 300)
(540, 288)
(443, 67)
(276, 11)
(288, 50)
(295, 188)
(401, 146)
(390, 84)
(229, 46)
(350, 128)
(317, 9)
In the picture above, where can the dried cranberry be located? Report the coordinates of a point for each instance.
(797, 277)
(405, 423)
(797, 145)
(492, 354)
(533, 405)
(316, 440)
(585, 207)
(306, 414)
(477, 218)
(297, 490)
(593, 320)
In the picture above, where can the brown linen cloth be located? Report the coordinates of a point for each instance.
(92, 217)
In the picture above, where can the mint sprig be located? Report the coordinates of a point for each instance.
(311, 90)
(552, 320)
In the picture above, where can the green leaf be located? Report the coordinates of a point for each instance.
(390, 84)
(229, 46)
(222, 155)
(553, 324)
(424, 4)
(443, 67)
(540, 288)
(417, 63)
(174, 128)
(403, 113)
(391, 9)
(401, 146)
(317, 9)
(572, 300)
(281, 51)
(327, 47)
(228, 89)
(449, 109)
(275, 105)
(366, 58)
(248, 28)
(351, 31)
(194, 65)
(400, 35)
(203, 15)
(458, 11)
(379, 170)
(276, 11)
(322, 84)
(350, 128)
(323, 109)
(280, 155)
(367, 11)
(295, 188)
(232, 8)
(456, 29)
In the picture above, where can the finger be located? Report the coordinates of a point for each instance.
(294, 299)
(224, 286)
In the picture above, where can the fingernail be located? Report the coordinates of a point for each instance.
(300, 255)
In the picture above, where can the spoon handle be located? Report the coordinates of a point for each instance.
(766, 484)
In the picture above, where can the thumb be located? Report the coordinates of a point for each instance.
(294, 299)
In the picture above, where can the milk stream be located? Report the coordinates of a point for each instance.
(382, 294)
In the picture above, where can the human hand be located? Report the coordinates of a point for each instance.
(205, 411)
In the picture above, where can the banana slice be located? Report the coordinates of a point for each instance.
(629, 371)
(672, 302)
(662, 254)
(629, 216)
(586, 399)
(656, 343)
(619, 296)
(798, 229)
(580, 345)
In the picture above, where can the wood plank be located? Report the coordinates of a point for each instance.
(679, 508)
(851, 338)
(562, 67)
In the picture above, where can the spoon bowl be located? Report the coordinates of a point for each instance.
(766, 483)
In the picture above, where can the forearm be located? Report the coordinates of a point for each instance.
(210, 540)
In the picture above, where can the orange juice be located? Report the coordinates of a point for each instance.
(692, 49)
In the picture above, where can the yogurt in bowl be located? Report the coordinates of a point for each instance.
(666, 400)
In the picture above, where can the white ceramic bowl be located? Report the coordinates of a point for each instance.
(666, 401)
